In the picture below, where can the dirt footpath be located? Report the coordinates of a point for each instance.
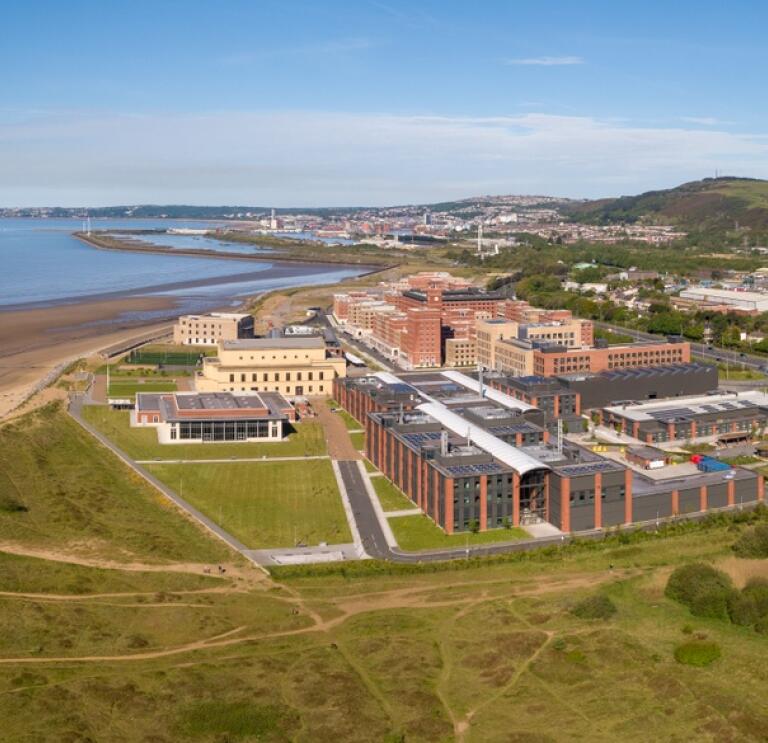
(336, 436)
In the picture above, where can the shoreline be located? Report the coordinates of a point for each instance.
(276, 257)
(38, 337)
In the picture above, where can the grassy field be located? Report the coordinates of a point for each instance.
(390, 496)
(358, 440)
(60, 489)
(129, 387)
(478, 651)
(420, 533)
(469, 654)
(275, 504)
(141, 443)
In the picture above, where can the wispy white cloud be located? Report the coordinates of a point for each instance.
(546, 61)
(324, 158)
(702, 120)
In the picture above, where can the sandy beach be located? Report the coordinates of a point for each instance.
(34, 342)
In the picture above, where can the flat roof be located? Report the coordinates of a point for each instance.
(245, 344)
(638, 372)
(207, 405)
(682, 408)
(506, 453)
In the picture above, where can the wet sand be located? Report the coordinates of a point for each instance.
(34, 342)
(38, 337)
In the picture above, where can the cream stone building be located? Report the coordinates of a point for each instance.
(291, 366)
(208, 330)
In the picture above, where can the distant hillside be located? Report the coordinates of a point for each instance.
(712, 202)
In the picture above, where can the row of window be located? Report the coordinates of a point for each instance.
(276, 376)
(224, 430)
(264, 358)
(298, 390)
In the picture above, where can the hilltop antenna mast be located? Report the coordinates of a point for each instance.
(480, 238)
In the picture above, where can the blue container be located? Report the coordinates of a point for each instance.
(710, 464)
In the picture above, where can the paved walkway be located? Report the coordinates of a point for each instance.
(304, 555)
(403, 512)
(336, 435)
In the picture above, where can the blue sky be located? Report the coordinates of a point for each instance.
(374, 102)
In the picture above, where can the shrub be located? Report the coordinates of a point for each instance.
(761, 626)
(594, 607)
(757, 589)
(753, 542)
(712, 602)
(697, 654)
(743, 609)
(703, 589)
(687, 629)
(9, 504)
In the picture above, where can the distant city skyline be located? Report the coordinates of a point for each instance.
(300, 104)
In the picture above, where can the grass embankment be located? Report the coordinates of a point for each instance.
(390, 496)
(141, 443)
(59, 489)
(271, 504)
(419, 532)
(358, 440)
(351, 423)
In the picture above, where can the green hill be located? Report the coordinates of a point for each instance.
(712, 202)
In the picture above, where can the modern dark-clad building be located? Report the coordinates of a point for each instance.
(548, 394)
(640, 383)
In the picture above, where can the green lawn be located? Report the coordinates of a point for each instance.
(129, 387)
(351, 423)
(370, 466)
(275, 504)
(61, 489)
(141, 443)
(358, 440)
(415, 533)
(390, 496)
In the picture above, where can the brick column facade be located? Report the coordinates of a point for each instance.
(565, 504)
(448, 526)
(483, 502)
(515, 499)
(731, 492)
(627, 496)
(598, 500)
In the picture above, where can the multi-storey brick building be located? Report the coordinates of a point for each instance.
(473, 457)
